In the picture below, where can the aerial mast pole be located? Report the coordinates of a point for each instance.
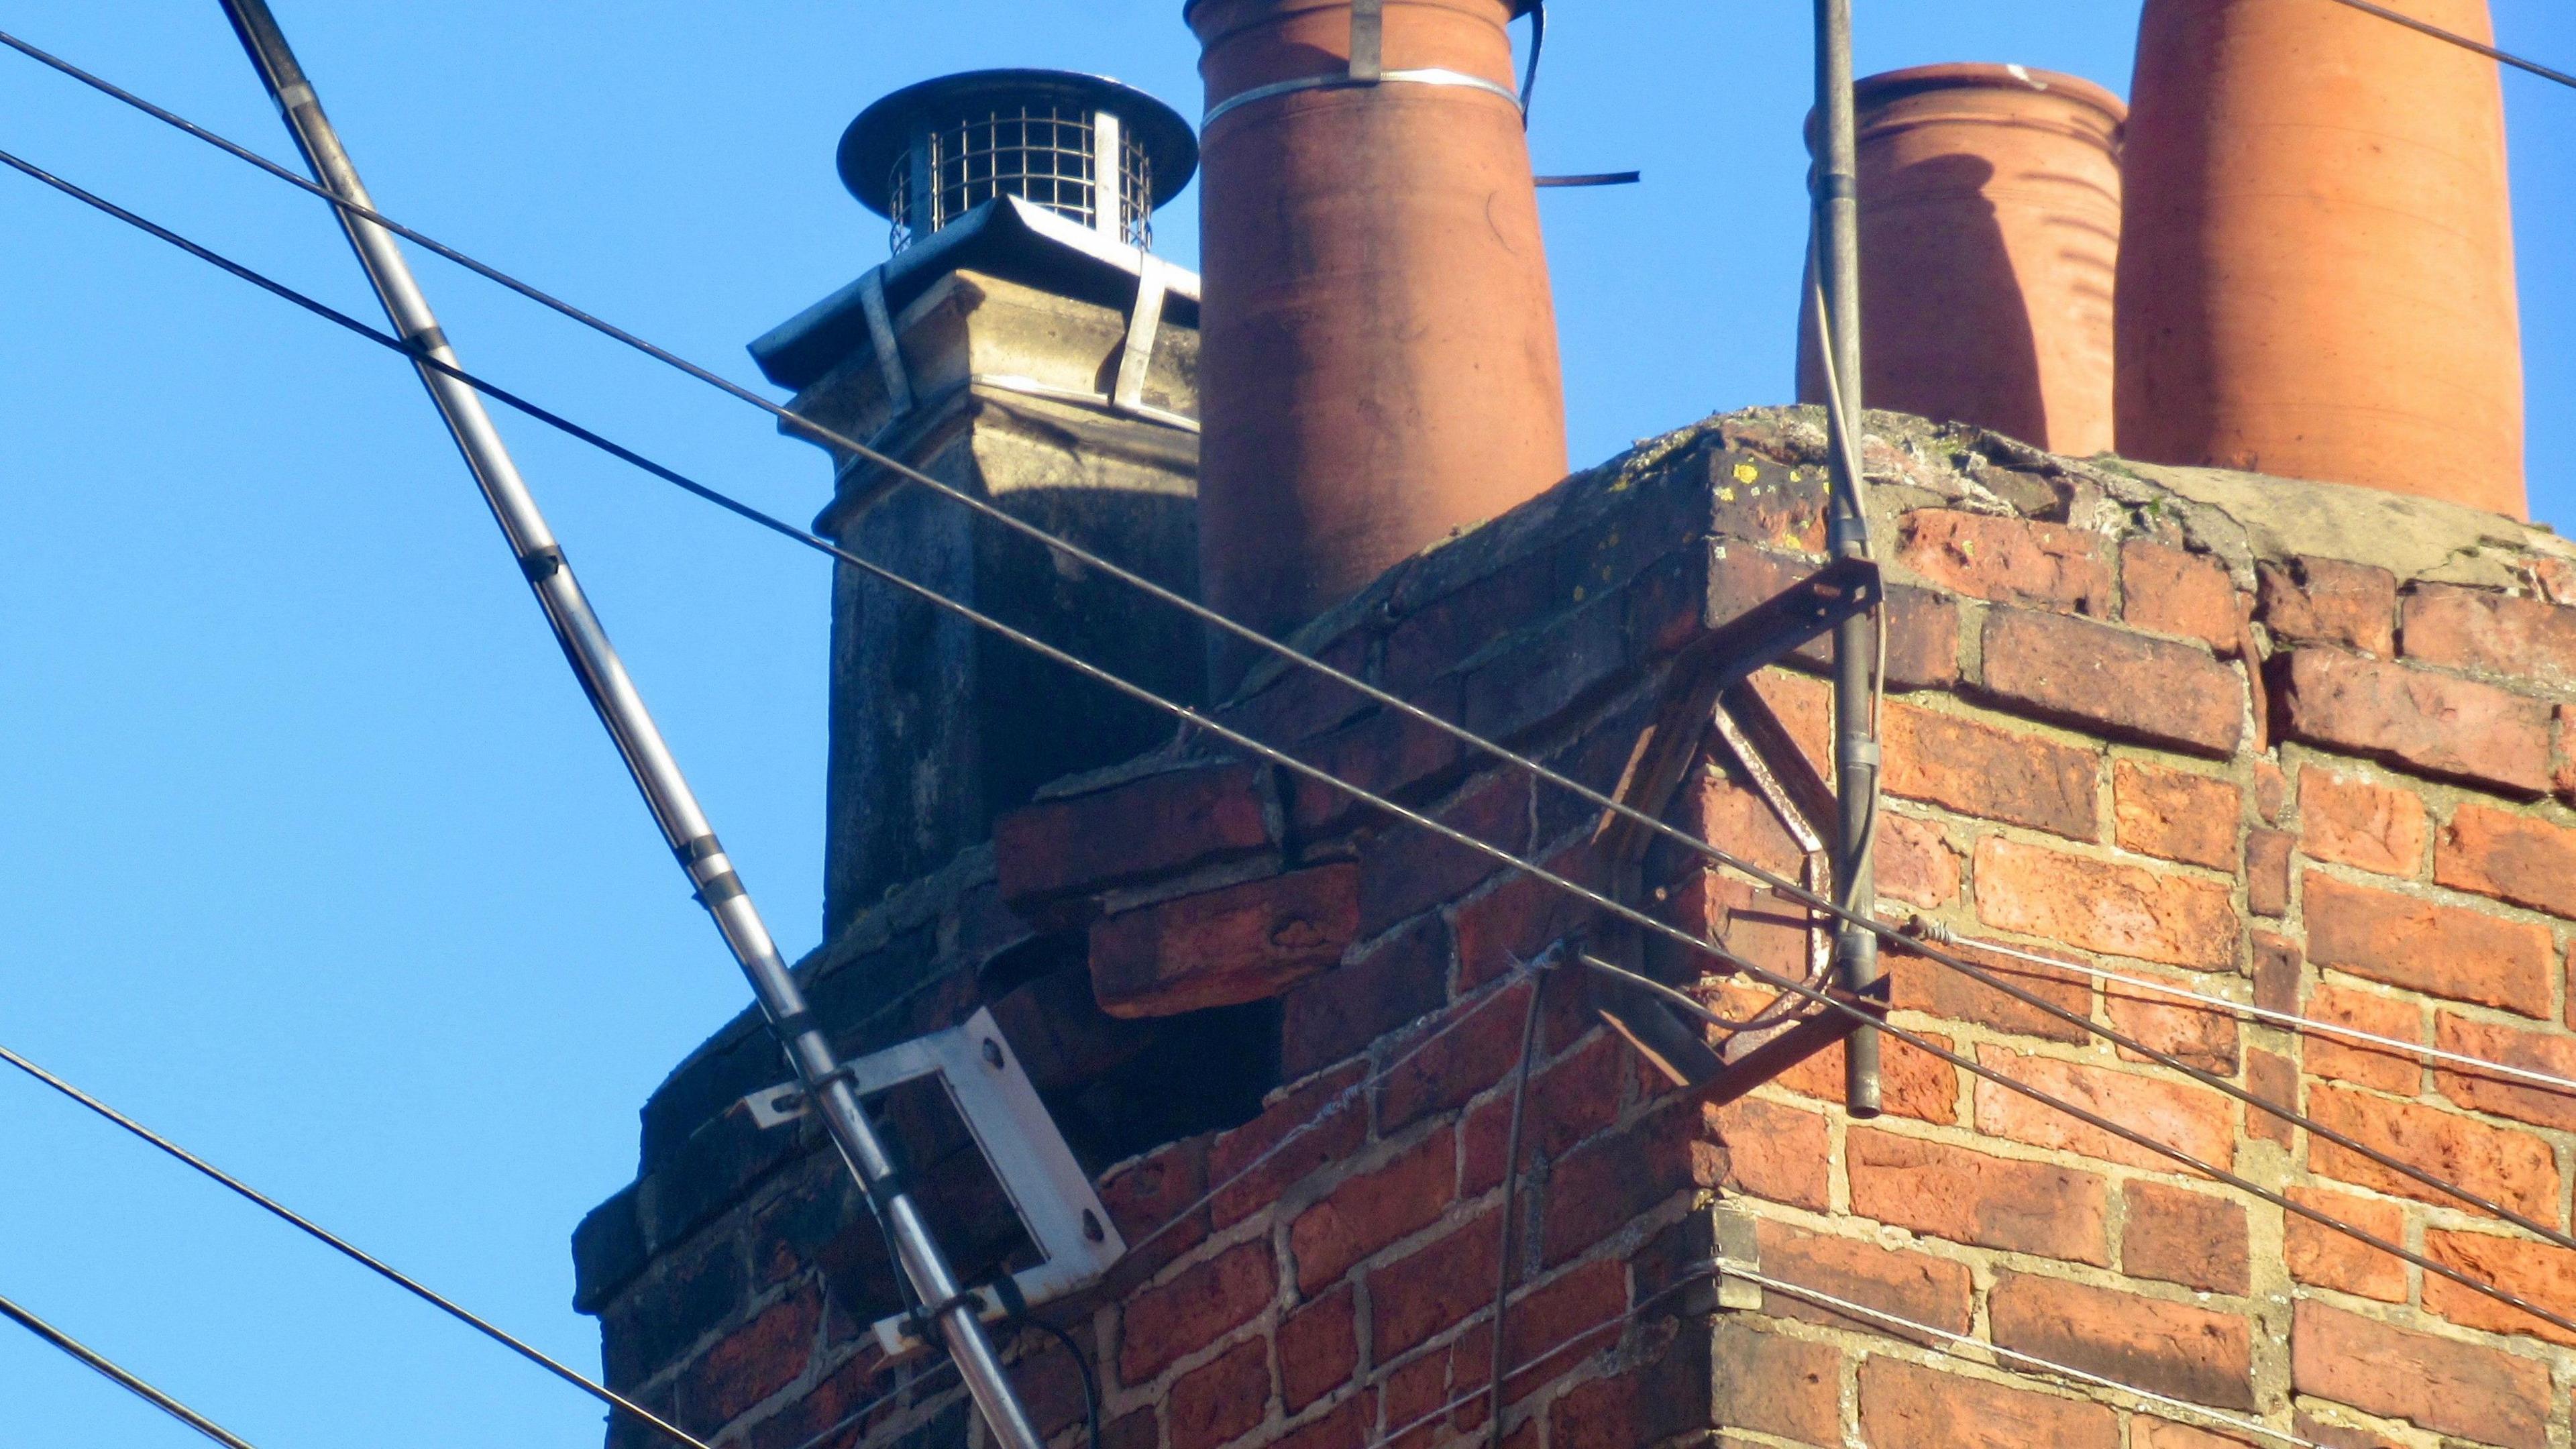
(621, 708)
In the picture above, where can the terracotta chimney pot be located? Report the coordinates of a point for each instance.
(2317, 279)
(1989, 236)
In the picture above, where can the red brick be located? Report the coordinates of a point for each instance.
(2511, 857)
(1194, 1308)
(1477, 1050)
(1319, 1348)
(1770, 1383)
(2551, 1052)
(2192, 1119)
(2274, 1079)
(1144, 1195)
(1719, 807)
(2357, 823)
(2329, 601)
(1776, 1152)
(1600, 1185)
(2175, 592)
(1388, 754)
(2423, 945)
(1922, 624)
(2267, 872)
(1568, 1100)
(2350, 1061)
(2180, 1236)
(1912, 1082)
(1915, 865)
(1585, 1306)
(1319, 1121)
(2277, 968)
(1520, 917)
(1135, 831)
(1405, 870)
(2175, 814)
(1979, 769)
(1974, 1197)
(2335, 1436)
(2492, 633)
(2441, 1384)
(1343, 1426)
(1371, 1210)
(1909, 1406)
(2500, 1164)
(1240, 943)
(2107, 906)
(1388, 985)
(1221, 1399)
(2166, 1434)
(2541, 1274)
(751, 1363)
(2318, 1254)
(2203, 1036)
(1908, 1285)
(1445, 1280)
(2271, 791)
(2161, 691)
(1924, 985)
(2009, 559)
(1645, 1404)
(2188, 1353)
(2433, 723)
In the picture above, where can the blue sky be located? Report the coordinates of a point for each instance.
(320, 862)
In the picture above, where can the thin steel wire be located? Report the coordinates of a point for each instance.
(2505, 57)
(615, 1401)
(108, 1369)
(1209, 726)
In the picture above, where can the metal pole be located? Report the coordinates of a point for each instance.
(1836, 223)
(621, 708)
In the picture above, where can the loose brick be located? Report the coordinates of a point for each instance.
(2173, 591)
(2160, 691)
(2329, 601)
(1415, 1297)
(1912, 1082)
(2357, 823)
(1915, 865)
(2203, 1036)
(2541, 1274)
(2100, 905)
(2511, 857)
(2013, 560)
(1221, 1399)
(2492, 633)
(1909, 1406)
(1908, 1285)
(2189, 1353)
(1770, 1383)
(2318, 1254)
(1319, 1348)
(1978, 1198)
(2175, 814)
(1370, 1210)
(1319, 1121)
(1144, 828)
(2536, 1051)
(2189, 1118)
(1928, 986)
(2441, 1384)
(2349, 1061)
(2500, 1164)
(1246, 942)
(2432, 723)
(2267, 872)
(1776, 1152)
(1979, 769)
(1336, 1015)
(2180, 1236)
(1194, 1308)
(2426, 946)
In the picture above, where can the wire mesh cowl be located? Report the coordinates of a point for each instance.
(1044, 153)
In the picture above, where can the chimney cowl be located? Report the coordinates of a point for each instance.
(926, 155)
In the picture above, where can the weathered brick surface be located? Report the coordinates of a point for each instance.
(2435, 724)
(2318, 1254)
(1177, 1317)
(2542, 1274)
(2427, 946)
(2511, 857)
(2513, 1168)
(1160, 823)
(2352, 821)
(2102, 905)
(2267, 872)
(1976, 1197)
(2329, 601)
(1980, 769)
(2442, 1384)
(2173, 591)
(2180, 1115)
(2132, 685)
(1910, 1406)
(2491, 633)
(1319, 1348)
(2549, 1053)
(1220, 1399)
(1247, 942)
(2194, 1238)
(2009, 559)
(1910, 1285)
(1771, 1384)
(2190, 1353)
(2378, 1013)
(1372, 1209)
(2176, 814)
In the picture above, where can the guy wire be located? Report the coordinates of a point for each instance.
(122, 1378)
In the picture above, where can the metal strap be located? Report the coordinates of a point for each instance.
(1368, 41)
(872, 301)
(1429, 77)
(1143, 323)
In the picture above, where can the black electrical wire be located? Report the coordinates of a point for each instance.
(121, 1377)
(616, 1402)
(1204, 723)
(2502, 57)
(1082, 1362)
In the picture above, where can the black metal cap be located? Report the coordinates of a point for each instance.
(872, 144)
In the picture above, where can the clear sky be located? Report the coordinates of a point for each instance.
(318, 860)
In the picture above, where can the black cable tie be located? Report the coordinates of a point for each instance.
(426, 341)
(1006, 1291)
(697, 849)
(791, 1026)
(542, 564)
(716, 892)
(884, 1190)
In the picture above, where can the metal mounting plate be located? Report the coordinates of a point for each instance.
(1048, 1190)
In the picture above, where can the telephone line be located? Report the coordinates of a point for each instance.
(2463, 42)
(121, 1377)
(1204, 723)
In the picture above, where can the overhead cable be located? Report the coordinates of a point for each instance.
(1206, 724)
(364, 1259)
(1853, 914)
(2505, 57)
(121, 1377)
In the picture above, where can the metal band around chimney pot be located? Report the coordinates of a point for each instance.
(1429, 77)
